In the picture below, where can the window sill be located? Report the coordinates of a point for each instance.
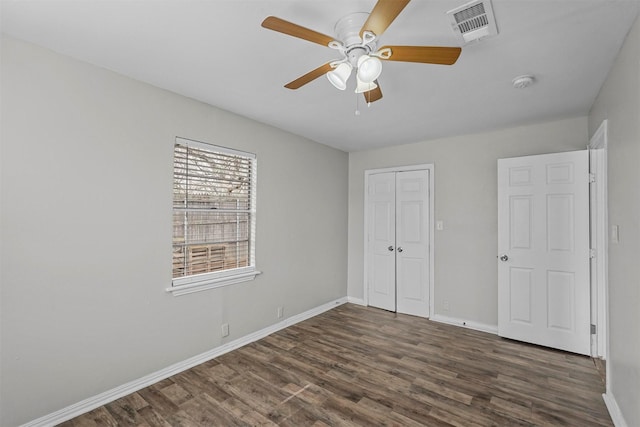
(184, 286)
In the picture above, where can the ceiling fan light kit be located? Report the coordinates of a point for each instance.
(369, 68)
(362, 86)
(356, 40)
(339, 76)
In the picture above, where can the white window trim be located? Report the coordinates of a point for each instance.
(212, 280)
(202, 282)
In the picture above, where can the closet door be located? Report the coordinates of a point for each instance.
(412, 242)
(381, 241)
(398, 241)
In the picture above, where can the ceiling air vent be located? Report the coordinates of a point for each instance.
(474, 20)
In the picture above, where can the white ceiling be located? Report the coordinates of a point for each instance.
(217, 52)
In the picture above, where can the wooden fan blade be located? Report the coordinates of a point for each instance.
(295, 30)
(309, 77)
(424, 54)
(374, 94)
(382, 15)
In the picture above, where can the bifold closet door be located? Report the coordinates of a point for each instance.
(412, 243)
(382, 241)
(398, 242)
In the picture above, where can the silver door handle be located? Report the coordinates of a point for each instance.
(399, 248)
(390, 248)
(504, 258)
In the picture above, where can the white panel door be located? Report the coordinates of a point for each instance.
(412, 242)
(381, 243)
(543, 247)
(398, 241)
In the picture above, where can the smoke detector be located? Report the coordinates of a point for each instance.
(522, 82)
(473, 21)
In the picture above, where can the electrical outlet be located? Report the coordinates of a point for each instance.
(439, 225)
(280, 312)
(225, 329)
(445, 305)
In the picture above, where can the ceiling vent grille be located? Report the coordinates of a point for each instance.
(474, 20)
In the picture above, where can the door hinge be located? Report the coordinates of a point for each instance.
(592, 178)
(593, 329)
(592, 253)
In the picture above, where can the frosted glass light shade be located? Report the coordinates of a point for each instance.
(339, 76)
(364, 86)
(369, 68)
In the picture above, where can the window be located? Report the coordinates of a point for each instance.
(214, 206)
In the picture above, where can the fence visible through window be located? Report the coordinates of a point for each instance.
(212, 219)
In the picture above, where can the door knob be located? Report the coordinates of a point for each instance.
(400, 249)
(390, 248)
(504, 258)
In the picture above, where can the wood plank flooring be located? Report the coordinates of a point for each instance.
(359, 366)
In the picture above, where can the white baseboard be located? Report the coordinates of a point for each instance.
(483, 327)
(357, 301)
(94, 402)
(614, 410)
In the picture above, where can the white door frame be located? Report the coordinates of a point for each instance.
(429, 167)
(599, 241)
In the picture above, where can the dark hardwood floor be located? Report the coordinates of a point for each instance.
(362, 366)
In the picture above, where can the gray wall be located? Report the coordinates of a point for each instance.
(86, 175)
(466, 200)
(619, 103)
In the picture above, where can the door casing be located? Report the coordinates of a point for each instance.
(428, 167)
(599, 240)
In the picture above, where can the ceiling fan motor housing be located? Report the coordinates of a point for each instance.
(347, 30)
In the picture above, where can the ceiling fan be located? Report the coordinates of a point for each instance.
(356, 40)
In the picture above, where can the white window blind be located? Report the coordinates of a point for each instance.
(213, 215)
